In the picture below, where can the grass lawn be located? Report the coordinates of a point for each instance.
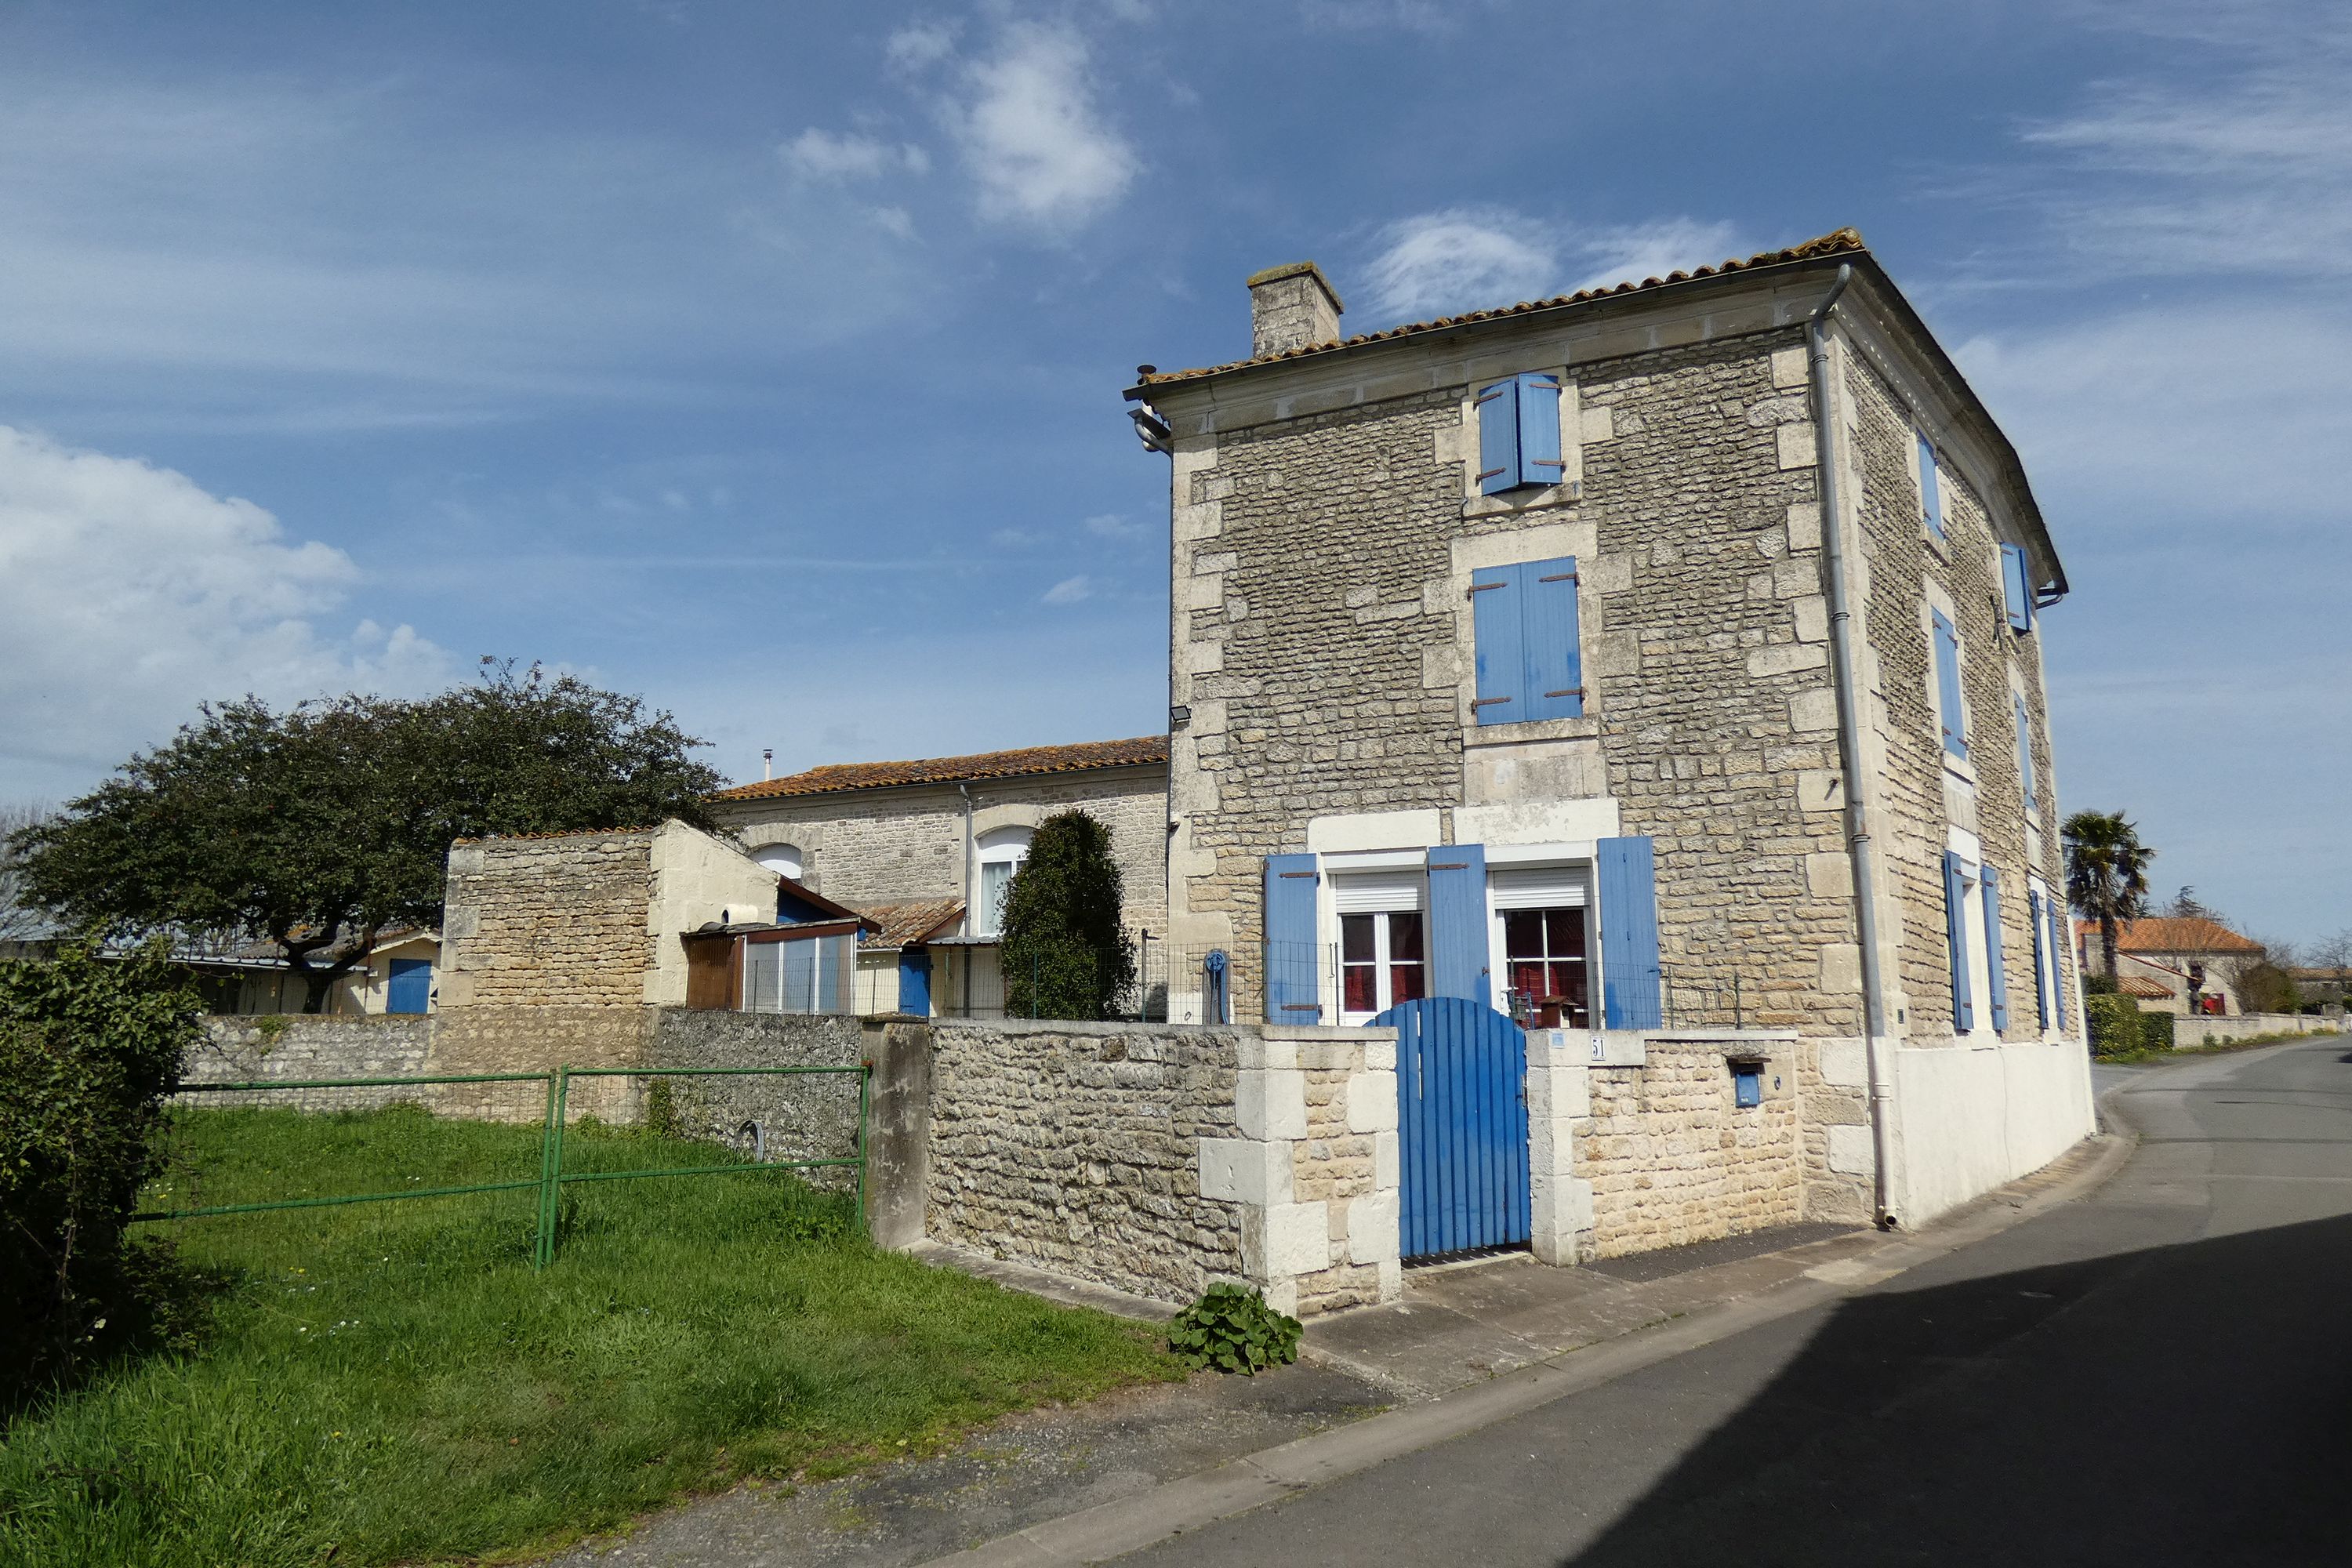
(393, 1383)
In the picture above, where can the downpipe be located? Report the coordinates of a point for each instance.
(1849, 710)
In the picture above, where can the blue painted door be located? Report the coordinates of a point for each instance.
(411, 986)
(1462, 1126)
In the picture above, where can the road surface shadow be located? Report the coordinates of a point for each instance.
(2184, 1404)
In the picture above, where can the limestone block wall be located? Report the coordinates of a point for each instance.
(295, 1046)
(557, 920)
(811, 1116)
(862, 847)
(489, 1038)
(1671, 1159)
(1160, 1158)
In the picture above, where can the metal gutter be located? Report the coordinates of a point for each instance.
(1849, 712)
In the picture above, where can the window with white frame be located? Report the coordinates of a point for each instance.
(1972, 926)
(1001, 854)
(1543, 938)
(1383, 941)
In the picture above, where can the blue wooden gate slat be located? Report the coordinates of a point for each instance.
(1463, 1123)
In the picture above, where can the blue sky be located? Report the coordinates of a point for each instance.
(765, 360)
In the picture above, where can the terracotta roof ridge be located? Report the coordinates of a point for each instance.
(1141, 751)
(1838, 241)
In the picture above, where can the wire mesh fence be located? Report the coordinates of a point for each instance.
(526, 1146)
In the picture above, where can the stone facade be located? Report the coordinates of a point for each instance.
(864, 847)
(290, 1046)
(1671, 1160)
(1327, 520)
(801, 1116)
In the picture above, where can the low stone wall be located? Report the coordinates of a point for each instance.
(802, 1116)
(1635, 1142)
(294, 1045)
(1076, 1147)
(2193, 1031)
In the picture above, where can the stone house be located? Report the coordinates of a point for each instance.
(928, 847)
(2185, 964)
(1661, 658)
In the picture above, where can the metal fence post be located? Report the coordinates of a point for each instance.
(540, 1236)
(551, 1201)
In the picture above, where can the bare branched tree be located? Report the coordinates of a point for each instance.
(18, 920)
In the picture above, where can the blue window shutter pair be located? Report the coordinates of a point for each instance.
(1956, 931)
(2016, 591)
(1457, 923)
(1627, 874)
(1947, 685)
(1522, 621)
(1518, 433)
(1292, 994)
(1996, 977)
(1931, 493)
(2025, 755)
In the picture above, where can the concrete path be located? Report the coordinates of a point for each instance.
(2157, 1373)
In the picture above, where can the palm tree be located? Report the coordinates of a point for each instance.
(2107, 873)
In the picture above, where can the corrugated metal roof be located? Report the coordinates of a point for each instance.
(1144, 751)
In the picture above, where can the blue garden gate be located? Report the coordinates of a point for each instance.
(1462, 1126)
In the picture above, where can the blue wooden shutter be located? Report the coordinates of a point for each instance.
(1292, 996)
(1947, 685)
(1498, 438)
(2016, 593)
(1539, 454)
(1629, 934)
(1996, 978)
(409, 988)
(1457, 923)
(1500, 648)
(1956, 931)
(1931, 495)
(2042, 974)
(2025, 754)
(2052, 909)
(1554, 679)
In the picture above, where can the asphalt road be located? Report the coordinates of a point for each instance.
(2156, 1375)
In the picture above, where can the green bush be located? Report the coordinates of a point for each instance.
(1233, 1329)
(89, 1047)
(2117, 1029)
(2155, 1031)
(1063, 952)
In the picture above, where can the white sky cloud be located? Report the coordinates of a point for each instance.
(1463, 258)
(128, 594)
(919, 44)
(1113, 525)
(850, 156)
(1070, 590)
(1031, 133)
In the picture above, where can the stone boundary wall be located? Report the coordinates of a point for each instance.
(800, 1116)
(294, 1045)
(1159, 1158)
(2193, 1031)
(1635, 1142)
(1076, 1147)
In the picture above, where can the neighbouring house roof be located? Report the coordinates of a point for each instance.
(906, 924)
(2172, 933)
(817, 900)
(1831, 243)
(1144, 751)
(2140, 985)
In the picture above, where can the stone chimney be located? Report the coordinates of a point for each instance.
(1291, 307)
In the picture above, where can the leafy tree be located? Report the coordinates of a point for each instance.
(89, 1047)
(2107, 873)
(2187, 905)
(1063, 952)
(322, 825)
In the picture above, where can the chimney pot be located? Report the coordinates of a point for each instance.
(1292, 307)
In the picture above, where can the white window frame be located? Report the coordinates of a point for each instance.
(1011, 850)
(1573, 890)
(1379, 884)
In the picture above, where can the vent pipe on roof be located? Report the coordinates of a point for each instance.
(1290, 308)
(767, 763)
